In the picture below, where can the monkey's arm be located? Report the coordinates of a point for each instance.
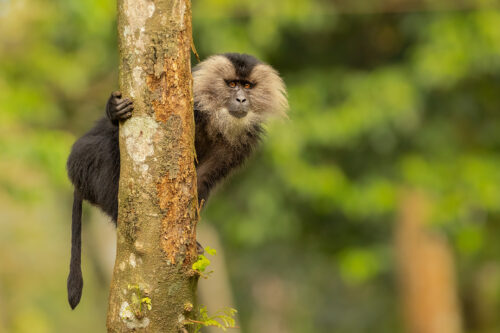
(216, 157)
(218, 165)
(207, 178)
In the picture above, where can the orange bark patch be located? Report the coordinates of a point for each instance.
(177, 193)
(179, 235)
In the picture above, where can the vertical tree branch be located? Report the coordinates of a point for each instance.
(153, 287)
(426, 271)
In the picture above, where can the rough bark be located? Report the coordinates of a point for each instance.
(426, 271)
(156, 237)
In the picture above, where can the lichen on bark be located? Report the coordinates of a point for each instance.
(156, 243)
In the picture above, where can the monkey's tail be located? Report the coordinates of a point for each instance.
(75, 279)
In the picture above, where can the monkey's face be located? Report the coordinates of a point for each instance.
(237, 92)
(238, 103)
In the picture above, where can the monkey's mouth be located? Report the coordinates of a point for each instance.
(238, 113)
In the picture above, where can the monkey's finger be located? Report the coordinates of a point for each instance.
(116, 94)
(123, 104)
(125, 116)
(128, 109)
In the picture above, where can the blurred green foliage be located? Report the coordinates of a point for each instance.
(379, 102)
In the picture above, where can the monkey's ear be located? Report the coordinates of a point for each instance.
(270, 90)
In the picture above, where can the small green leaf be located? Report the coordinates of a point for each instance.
(133, 286)
(210, 251)
(201, 264)
(222, 321)
(147, 301)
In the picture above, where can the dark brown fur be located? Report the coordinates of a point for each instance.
(216, 157)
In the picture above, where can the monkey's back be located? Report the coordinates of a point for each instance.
(94, 166)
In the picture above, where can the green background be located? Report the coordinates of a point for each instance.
(382, 99)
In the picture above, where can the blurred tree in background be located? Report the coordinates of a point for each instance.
(384, 96)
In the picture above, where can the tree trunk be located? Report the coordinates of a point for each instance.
(426, 271)
(153, 286)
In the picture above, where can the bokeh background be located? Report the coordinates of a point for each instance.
(374, 208)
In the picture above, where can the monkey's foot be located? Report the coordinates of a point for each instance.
(200, 248)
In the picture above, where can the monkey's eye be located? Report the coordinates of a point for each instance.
(247, 85)
(232, 84)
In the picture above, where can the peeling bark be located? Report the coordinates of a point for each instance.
(153, 286)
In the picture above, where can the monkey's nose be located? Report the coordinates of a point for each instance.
(241, 100)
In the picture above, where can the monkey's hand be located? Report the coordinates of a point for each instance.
(118, 108)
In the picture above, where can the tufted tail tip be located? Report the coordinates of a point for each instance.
(75, 286)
